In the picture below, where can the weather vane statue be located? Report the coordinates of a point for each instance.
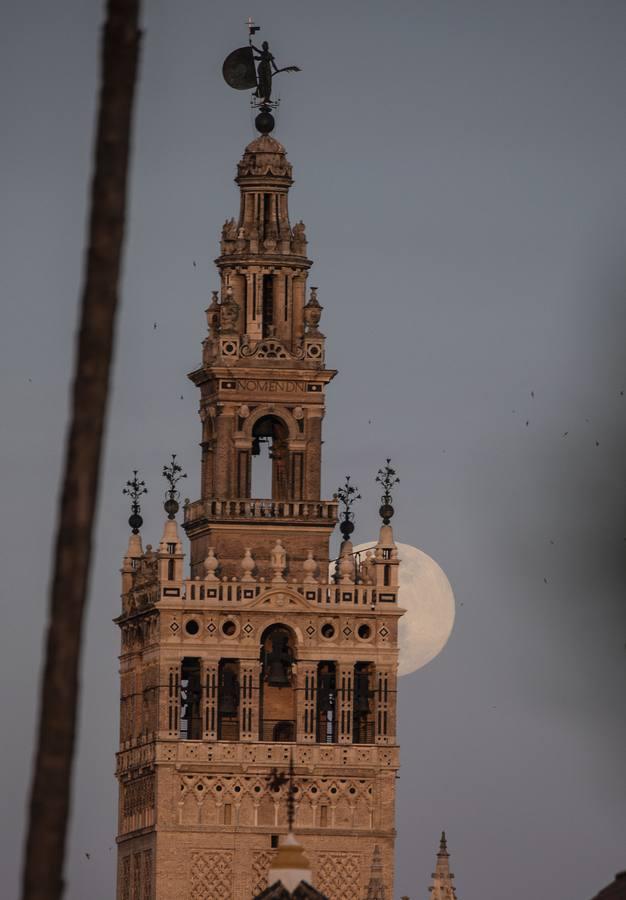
(241, 72)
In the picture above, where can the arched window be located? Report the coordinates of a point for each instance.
(278, 689)
(363, 704)
(228, 701)
(190, 697)
(267, 305)
(326, 703)
(270, 459)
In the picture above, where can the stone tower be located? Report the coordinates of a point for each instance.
(442, 887)
(258, 655)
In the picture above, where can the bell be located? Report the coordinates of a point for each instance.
(277, 674)
(361, 693)
(229, 694)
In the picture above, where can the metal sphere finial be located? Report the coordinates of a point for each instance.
(347, 495)
(135, 489)
(387, 478)
(172, 474)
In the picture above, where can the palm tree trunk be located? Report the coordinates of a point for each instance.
(42, 877)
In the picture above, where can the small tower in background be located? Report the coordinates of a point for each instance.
(442, 887)
(376, 887)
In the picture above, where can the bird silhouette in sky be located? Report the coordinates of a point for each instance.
(527, 423)
(181, 397)
(565, 433)
(597, 443)
(194, 263)
(155, 325)
(88, 856)
(532, 393)
(545, 580)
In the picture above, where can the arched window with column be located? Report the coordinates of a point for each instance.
(278, 688)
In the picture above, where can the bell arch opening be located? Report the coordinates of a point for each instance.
(278, 684)
(270, 459)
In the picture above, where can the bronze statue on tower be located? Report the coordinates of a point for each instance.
(241, 73)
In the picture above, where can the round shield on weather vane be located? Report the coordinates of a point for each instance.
(239, 70)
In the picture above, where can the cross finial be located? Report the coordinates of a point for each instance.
(252, 28)
(135, 489)
(172, 474)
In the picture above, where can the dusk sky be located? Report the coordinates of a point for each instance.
(460, 168)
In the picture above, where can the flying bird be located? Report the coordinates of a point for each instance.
(565, 433)
(545, 580)
(532, 393)
(194, 263)
(181, 397)
(155, 325)
(597, 443)
(527, 423)
(88, 856)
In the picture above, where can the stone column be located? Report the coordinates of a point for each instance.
(249, 674)
(307, 702)
(345, 692)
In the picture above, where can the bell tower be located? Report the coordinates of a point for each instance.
(258, 656)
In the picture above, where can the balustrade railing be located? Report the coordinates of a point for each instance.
(324, 510)
(204, 591)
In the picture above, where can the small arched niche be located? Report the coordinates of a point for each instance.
(278, 687)
(270, 458)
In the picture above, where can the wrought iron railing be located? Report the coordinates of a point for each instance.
(228, 730)
(363, 732)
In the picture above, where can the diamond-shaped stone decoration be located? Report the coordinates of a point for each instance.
(310, 631)
(383, 632)
(347, 631)
(211, 627)
(174, 627)
(248, 629)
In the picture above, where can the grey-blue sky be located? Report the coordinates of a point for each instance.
(460, 168)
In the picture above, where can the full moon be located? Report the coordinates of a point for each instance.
(427, 597)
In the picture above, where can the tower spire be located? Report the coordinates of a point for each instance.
(376, 886)
(442, 887)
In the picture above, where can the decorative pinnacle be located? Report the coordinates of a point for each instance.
(276, 780)
(347, 494)
(387, 479)
(172, 474)
(443, 844)
(135, 489)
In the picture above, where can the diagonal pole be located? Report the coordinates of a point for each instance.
(42, 876)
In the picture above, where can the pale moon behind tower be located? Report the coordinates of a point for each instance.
(426, 595)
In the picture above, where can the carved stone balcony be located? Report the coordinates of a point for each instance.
(280, 512)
